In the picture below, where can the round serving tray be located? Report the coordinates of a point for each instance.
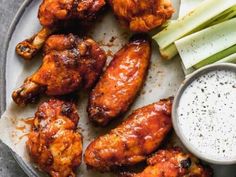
(163, 80)
(29, 171)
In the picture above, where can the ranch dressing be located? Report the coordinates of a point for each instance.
(207, 115)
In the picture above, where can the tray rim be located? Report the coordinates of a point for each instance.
(6, 42)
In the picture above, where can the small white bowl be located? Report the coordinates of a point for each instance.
(185, 84)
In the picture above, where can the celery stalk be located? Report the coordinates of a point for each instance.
(187, 6)
(205, 12)
(228, 59)
(216, 57)
(169, 52)
(187, 71)
(226, 15)
(201, 45)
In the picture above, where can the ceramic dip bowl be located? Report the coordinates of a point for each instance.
(204, 113)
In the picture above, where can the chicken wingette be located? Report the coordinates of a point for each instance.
(52, 15)
(54, 144)
(52, 12)
(122, 80)
(133, 140)
(69, 63)
(173, 163)
(142, 15)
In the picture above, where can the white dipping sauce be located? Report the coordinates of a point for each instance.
(207, 115)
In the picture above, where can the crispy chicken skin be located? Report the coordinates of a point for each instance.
(142, 15)
(53, 11)
(173, 163)
(132, 141)
(69, 62)
(122, 80)
(53, 14)
(53, 144)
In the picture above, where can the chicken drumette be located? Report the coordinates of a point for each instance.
(173, 163)
(69, 62)
(52, 15)
(54, 144)
(132, 141)
(142, 15)
(119, 85)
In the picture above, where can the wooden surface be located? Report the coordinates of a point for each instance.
(8, 9)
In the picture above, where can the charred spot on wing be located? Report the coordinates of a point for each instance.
(171, 99)
(186, 163)
(66, 109)
(140, 37)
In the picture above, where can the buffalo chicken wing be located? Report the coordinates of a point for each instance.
(69, 62)
(132, 141)
(173, 163)
(119, 85)
(142, 15)
(52, 12)
(52, 15)
(53, 144)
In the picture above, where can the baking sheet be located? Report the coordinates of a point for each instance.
(162, 81)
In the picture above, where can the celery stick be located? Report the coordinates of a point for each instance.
(228, 59)
(228, 14)
(216, 57)
(168, 22)
(203, 44)
(187, 71)
(206, 11)
(188, 5)
(169, 52)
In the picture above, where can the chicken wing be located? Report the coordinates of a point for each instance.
(54, 144)
(30, 47)
(52, 12)
(69, 62)
(120, 83)
(52, 15)
(173, 163)
(132, 141)
(142, 15)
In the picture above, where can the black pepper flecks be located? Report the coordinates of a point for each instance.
(207, 114)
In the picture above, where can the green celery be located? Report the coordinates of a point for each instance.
(203, 44)
(188, 5)
(208, 12)
(216, 57)
(205, 12)
(228, 59)
(169, 52)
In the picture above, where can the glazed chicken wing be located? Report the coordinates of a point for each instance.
(173, 163)
(54, 144)
(52, 15)
(120, 83)
(69, 62)
(142, 15)
(132, 141)
(52, 12)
